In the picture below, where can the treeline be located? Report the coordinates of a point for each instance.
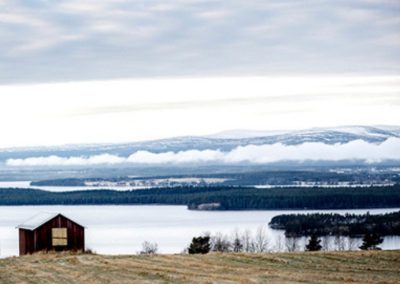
(260, 242)
(281, 177)
(60, 182)
(335, 224)
(222, 198)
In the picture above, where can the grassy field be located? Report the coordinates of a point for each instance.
(318, 267)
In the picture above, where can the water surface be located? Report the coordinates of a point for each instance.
(121, 229)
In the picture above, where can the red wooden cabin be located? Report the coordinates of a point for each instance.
(50, 231)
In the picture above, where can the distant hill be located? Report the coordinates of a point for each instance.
(228, 152)
(225, 141)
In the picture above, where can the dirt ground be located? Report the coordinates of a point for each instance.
(301, 267)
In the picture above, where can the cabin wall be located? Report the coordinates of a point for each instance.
(25, 242)
(75, 235)
(41, 238)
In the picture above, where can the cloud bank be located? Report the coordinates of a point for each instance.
(86, 39)
(254, 154)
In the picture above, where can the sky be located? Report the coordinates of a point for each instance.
(43, 41)
(118, 71)
(144, 109)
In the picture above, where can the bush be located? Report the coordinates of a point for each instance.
(149, 248)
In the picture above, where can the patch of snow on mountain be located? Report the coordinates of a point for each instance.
(242, 133)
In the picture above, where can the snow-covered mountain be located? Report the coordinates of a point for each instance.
(225, 141)
(363, 132)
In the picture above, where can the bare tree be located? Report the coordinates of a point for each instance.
(149, 248)
(261, 240)
(339, 242)
(247, 241)
(279, 245)
(351, 243)
(220, 242)
(325, 243)
(292, 243)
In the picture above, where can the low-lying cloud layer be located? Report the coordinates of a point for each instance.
(255, 154)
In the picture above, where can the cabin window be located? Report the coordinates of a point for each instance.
(59, 237)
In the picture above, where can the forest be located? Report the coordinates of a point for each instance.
(256, 177)
(335, 224)
(221, 198)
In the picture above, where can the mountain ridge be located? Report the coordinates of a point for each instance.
(332, 135)
(236, 134)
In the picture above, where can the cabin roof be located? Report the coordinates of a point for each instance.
(40, 219)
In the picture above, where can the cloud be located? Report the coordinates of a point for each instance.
(117, 111)
(70, 161)
(253, 154)
(80, 40)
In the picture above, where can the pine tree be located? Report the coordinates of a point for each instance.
(237, 245)
(314, 244)
(200, 245)
(371, 242)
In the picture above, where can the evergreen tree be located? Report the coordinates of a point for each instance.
(237, 245)
(314, 244)
(200, 245)
(371, 242)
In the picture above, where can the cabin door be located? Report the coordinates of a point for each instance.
(59, 238)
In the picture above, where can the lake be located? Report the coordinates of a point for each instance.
(121, 229)
(27, 184)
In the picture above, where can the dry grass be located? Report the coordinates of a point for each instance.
(319, 267)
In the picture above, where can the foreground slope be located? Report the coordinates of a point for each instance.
(318, 267)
